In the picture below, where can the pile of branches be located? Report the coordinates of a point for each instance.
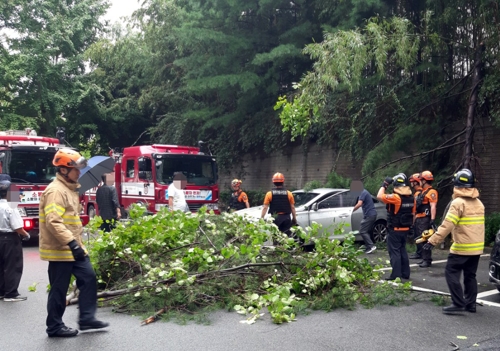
(186, 264)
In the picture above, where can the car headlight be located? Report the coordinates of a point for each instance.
(22, 211)
(213, 207)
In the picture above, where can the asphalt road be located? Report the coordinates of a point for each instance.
(415, 326)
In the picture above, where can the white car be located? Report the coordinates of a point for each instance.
(329, 207)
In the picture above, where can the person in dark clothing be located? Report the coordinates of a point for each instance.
(365, 201)
(11, 250)
(109, 208)
(239, 199)
(400, 212)
(281, 204)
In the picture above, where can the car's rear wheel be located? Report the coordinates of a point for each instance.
(91, 211)
(379, 233)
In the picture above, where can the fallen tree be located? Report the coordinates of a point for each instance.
(173, 263)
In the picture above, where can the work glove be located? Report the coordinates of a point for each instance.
(428, 246)
(433, 225)
(77, 251)
(26, 238)
(387, 181)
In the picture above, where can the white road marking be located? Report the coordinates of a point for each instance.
(479, 296)
(416, 265)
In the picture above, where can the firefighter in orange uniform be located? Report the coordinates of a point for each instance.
(281, 204)
(426, 203)
(417, 189)
(400, 211)
(239, 199)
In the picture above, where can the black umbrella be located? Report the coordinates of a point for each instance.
(90, 176)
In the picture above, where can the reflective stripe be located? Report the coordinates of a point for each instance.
(72, 220)
(467, 247)
(54, 208)
(471, 220)
(56, 254)
(452, 218)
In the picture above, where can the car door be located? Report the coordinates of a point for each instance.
(331, 212)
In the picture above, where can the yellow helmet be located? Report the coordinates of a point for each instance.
(236, 182)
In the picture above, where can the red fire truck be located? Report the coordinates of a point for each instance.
(27, 158)
(143, 173)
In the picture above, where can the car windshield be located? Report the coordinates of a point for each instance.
(301, 198)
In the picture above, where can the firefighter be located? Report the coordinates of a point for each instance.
(61, 244)
(426, 204)
(239, 199)
(281, 204)
(465, 221)
(400, 210)
(415, 185)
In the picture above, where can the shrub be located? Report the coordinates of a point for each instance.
(491, 226)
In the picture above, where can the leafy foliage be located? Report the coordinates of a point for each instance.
(193, 263)
(491, 227)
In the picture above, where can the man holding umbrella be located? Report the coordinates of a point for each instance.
(109, 207)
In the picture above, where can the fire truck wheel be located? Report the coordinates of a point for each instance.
(91, 211)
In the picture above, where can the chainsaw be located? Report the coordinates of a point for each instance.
(426, 234)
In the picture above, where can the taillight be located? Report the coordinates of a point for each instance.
(85, 219)
(28, 224)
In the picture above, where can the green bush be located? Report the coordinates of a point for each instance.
(337, 181)
(491, 226)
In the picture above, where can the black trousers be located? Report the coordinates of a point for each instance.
(108, 225)
(422, 224)
(396, 245)
(284, 223)
(59, 278)
(11, 264)
(454, 268)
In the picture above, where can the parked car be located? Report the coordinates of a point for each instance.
(330, 207)
(495, 262)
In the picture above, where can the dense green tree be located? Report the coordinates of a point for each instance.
(42, 59)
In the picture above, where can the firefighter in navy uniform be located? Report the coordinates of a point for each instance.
(426, 204)
(465, 221)
(281, 204)
(400, 211)
(239, 199)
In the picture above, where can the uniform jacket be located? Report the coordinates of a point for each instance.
(465, 221)
(59, 220)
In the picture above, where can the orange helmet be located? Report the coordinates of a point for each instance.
(236, 182)
(69, 158)
(427, 175)
(278, 178)
(415, 177)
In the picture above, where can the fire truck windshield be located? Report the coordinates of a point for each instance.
(199, 170)
(30, 165)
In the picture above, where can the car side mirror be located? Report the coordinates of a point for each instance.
(315, 207)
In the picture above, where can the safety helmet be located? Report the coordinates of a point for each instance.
(415, 177)
(4, 181)
(464, 179)
(278, 178)
(69, 158)
(236, 182)
(426, 175)
(400, 180)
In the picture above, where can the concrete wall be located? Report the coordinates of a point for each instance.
(299, 167)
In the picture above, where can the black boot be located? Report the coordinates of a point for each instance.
(93, 324)
(453, 308)
(471, 307)
(425, 264)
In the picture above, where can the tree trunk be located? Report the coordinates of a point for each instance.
(471, 112)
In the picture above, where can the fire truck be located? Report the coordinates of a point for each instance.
(143, 173)
(27, 158)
